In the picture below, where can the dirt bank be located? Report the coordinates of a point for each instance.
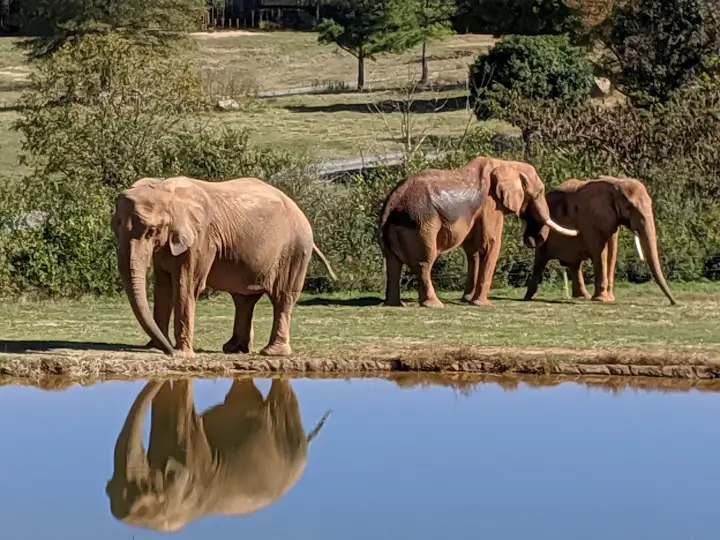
(86, 366)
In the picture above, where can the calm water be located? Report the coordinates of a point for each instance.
(390, 462)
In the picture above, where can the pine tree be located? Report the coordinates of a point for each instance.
(434, 22)
(366, 28)
(52, 23)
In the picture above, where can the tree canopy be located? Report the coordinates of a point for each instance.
(366, 28)
(53, 23)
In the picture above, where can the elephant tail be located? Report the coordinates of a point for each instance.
(318, 427)
(324, 261)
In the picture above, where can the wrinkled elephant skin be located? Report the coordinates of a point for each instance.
(435, 211)
(234, 459)
(597, 208)
(242, 236)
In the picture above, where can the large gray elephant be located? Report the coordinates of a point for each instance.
(236, 458)
(242, 236)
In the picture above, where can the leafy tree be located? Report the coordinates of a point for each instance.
(366, 28)
(662, 45)
(434, 22)
(155, 23)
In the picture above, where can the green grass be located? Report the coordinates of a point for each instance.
(330, 326)
(333, 125)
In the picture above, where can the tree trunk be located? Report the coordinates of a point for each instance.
(361, 71)
(424, 77)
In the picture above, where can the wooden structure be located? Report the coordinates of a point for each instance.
(251, 13)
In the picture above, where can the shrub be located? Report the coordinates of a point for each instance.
(534, 67)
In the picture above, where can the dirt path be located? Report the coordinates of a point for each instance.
(83, 366)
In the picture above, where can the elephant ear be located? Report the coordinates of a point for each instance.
(509, 190)
(190, 213)
(146, 182)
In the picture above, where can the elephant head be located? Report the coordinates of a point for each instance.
(632, 206)
(236, 458)
(153, 215)
(523, 193)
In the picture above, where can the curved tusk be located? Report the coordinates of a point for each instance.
(638, 247)
(562, 230)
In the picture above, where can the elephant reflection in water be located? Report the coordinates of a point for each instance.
(236, 458)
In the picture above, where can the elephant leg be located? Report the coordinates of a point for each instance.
(428, 296)
(541, 261)
(279, 344)
(473, 262)
(488, 258)
(421, 253)
(393, 274)
(578, 281)
(163, 302)
(188, 283)
(612, 250)
(599, 260)
(242, 338)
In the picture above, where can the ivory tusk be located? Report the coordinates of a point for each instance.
(638, 247)
(562, 230)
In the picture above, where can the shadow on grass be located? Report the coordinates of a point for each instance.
(28, 346)
(365, 301)
(421, 106)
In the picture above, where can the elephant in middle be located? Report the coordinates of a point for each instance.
(238, 457)
(435, 211)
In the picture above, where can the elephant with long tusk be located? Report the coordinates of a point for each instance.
(435, 211)
(234, 459)
(597, 208)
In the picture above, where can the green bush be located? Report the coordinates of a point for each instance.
(533, 67)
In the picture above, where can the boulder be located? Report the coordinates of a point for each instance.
(602, 87)
(228, 105)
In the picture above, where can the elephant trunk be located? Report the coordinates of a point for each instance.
(544, 213)
(318, 427)
(648, 240)
(134, 262)
(131, 461)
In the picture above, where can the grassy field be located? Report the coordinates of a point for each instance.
(335, 327)
(331, 125)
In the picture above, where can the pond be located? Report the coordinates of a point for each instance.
(229, 459)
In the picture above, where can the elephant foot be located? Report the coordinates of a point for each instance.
(237, 347)
(586, 295)
(603, 298)
(394, 303)
(611, 296)
(528, 297)
(183, 354)
(481, 302)
(278, 349)
(432, 303)
(468, 298)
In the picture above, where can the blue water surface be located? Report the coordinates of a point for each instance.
(391, 463)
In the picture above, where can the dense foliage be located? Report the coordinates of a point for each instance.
(661, 45)
(50, 24)
(534, 67)
(526, 17)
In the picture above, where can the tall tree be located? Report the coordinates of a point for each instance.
(366, 28)
(52, 23)
(434, 22)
